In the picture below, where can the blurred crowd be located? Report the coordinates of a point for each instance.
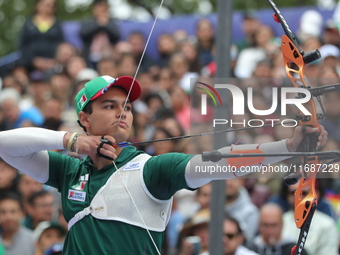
(40, 92)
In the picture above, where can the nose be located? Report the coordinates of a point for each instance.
(120, 114)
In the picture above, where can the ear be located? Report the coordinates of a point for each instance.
(84, 119)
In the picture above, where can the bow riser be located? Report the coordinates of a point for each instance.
(294, 63)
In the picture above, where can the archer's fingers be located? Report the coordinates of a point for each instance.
(323, 137)
(110, 139)
(108, 151)
(310, 130)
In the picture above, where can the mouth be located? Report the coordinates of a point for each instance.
(120, 124)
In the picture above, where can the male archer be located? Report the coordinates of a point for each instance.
(124, 205)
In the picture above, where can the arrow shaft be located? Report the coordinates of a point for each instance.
(201, 134)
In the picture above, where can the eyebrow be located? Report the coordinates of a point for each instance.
(114, 101)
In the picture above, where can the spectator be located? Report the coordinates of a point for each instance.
(287, 193)
(64, 53)
(154, 102)
(61, 88)
(121, 48)
(74, 65)
(205, 41)
(330, 55)
(250, 23)
(3, 123)
(10, 81)
(147, 84)
(99, 34)
(53, 109)
(198, 227)
(203, 196)
(13, 116)
(46, 235)
(311, 23)
(8, 177)
(39, 90)
(233, 238)
(137, 41)
(259, 192)
(55, 249)
(127, 65)
(40, 208)
(26, 188)
(107, 66)
(85, 75)
(166, 47)
(327, 75)
(190, 52)
(166, 80)
(40, 37)
(249, 57)
(15, 238)
(330, 34)
(239, 206)
(20, 73)
(160, 148)
(181, 107)
(270, 241)
(179, 66)
(332, 122)
(173, 229)
(323, 236)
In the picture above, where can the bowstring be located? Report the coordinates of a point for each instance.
(121, 115)
(139, 64)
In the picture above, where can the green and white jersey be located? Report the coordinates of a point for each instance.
(163, 176)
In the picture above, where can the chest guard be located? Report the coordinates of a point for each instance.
(126, 198)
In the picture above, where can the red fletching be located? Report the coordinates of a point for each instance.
(276, 18)
(293, 250)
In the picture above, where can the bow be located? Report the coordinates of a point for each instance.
(295, 60)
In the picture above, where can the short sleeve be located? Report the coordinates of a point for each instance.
(59, 167)
(164, 175)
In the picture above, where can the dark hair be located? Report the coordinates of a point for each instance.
(151, 96)
(10, 195)
(227, 217)
(41, 193)
(163, 113)
(87, 109)
(166, 132)
(52, 124)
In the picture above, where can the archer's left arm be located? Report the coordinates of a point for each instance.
(197, 179)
